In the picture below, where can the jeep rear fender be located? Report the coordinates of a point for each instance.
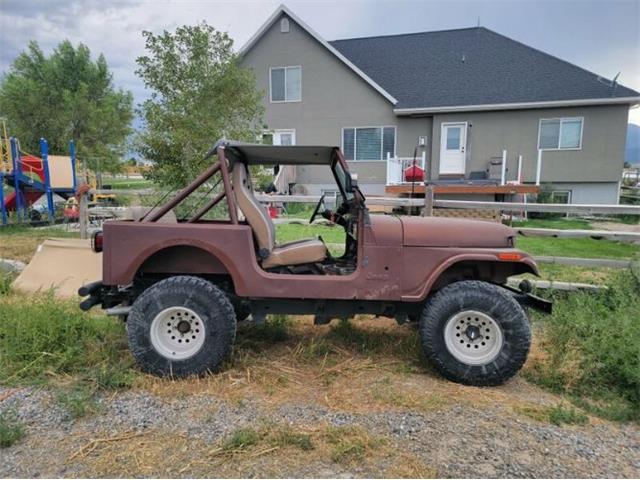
(182, 257)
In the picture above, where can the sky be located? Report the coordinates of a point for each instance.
(602, 36)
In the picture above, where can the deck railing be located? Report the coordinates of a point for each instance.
(397, 165)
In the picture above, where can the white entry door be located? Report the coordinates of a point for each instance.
(453, 141)
(284, 137)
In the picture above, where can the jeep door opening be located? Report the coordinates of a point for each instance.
(182, 284)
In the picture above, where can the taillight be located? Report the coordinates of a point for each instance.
(97, 241)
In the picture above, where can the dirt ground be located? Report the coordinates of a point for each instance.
(341, 401)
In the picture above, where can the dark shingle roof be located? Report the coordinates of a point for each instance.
(471, 66)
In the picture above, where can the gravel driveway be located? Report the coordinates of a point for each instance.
(455, 441)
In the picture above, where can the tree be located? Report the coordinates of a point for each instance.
(199, 93)
(67, 96)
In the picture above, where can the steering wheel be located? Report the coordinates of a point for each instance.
(315, 212)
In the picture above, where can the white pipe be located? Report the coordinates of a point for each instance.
(519, 178)
(539, 167)
(504, 167)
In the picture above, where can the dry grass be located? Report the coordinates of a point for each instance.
(271, 451)
(373, 365)
(20, 243)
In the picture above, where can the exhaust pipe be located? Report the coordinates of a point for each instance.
(89, 303)
(89, 288)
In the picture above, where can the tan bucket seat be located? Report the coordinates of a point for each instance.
(292, 253)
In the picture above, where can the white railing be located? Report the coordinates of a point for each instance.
(397, 165)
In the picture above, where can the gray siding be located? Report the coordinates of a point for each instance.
(591, 193)
(333, 97)
(599, 160)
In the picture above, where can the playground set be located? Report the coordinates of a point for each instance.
(31, 177)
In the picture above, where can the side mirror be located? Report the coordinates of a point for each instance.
(351, 182)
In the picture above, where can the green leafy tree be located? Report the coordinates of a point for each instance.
(199, 93)
(67, 96)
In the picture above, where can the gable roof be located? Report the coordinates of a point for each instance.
(468, 69)
(282, 9)
(474, 69)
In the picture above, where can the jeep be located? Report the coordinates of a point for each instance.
(182, 284)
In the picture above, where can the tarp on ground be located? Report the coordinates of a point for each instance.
(64, 264)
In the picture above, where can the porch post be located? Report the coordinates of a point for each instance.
(503, 175)
(519, 169)
(539, 167)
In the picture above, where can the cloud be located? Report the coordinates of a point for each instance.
(113, 27)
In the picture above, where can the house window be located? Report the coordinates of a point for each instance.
(368, 143)
(560, 133)
(284, 25)
(561, 196)
(286, 84)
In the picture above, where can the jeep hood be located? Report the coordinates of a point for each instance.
(454, 232)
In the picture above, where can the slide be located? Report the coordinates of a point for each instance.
(30, 197)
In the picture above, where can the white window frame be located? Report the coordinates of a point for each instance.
(273, 132)
(285, 84)
(355, 147)
(562, 120)
(292, 131)
(567, 192)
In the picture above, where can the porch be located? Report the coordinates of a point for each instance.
(410, 176)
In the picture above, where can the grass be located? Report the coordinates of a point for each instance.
(19, 242)
(42, 338)
(351, 444)
(577, 247)
(11, 429)
(287, 232)
(78, 401)
(240, 439)
(591, 352)
(128, 183)
(559, 414)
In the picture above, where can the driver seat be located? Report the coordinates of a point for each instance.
(272, 255)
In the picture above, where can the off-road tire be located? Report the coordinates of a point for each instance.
(486, 298)
(205, 299)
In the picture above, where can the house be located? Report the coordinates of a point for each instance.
(458, 101)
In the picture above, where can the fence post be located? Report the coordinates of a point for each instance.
(539, 167)
(503, 175)
(427, 211)
(84, 214)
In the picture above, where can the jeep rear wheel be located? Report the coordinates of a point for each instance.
(475, 333)
(181, 326)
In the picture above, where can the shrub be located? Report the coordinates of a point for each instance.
(592, 348)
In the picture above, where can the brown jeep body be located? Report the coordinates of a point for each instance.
(400, 260)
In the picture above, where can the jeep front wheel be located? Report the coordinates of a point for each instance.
(181, 326)
(475, 333)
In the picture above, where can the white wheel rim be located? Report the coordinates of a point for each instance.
(177, 333)
(473, 337)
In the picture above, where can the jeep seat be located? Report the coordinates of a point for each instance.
(272, 255)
